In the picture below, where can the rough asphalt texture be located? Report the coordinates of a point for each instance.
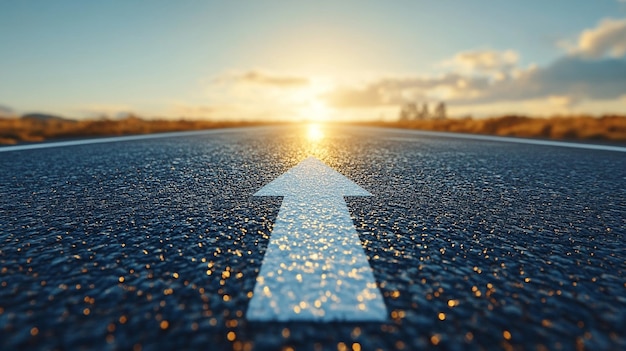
(156, 244)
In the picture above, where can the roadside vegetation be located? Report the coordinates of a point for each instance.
(20, 130)
(611, 128)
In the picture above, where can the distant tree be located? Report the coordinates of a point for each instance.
(408, 112)
(423, 113)
(440, 111)
(404, 114)
(412, 108)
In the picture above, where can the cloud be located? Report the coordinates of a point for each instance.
(607, 39)
(266, 95)
(264, 78)
(399, 90)
(484, 61)
(568, 80)
(594, 68)
(561, 101)
(368, 96)
(573, 77)
(475, 72)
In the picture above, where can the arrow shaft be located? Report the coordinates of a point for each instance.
(315, 267)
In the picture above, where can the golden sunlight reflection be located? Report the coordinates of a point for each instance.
(314, 132)
(310, 140)
(313, 141)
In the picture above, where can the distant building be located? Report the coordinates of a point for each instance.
(410, 112)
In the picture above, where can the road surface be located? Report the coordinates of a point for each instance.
(156, 243)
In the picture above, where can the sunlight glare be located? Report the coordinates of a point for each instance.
(314, 132)
(310, 104)
(316, 110)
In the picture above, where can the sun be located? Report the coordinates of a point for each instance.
(314, 132)
(316, 110)
(309, 102)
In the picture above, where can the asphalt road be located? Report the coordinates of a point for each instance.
(156, 244)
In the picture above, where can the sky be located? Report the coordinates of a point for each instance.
(323, 60)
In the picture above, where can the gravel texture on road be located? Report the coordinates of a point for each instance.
(156, 244)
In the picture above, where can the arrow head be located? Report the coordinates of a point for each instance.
(311, 178)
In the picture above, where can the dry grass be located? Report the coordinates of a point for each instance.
(13, 130)
(606, 128)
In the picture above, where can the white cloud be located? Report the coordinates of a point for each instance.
(399, 90)
(561, 100)
(594, 69)
(607, 39)
(484, 61)
(566, 81)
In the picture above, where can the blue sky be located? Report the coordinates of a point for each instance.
(314, 60)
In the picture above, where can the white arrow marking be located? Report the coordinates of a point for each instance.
(315, 268)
